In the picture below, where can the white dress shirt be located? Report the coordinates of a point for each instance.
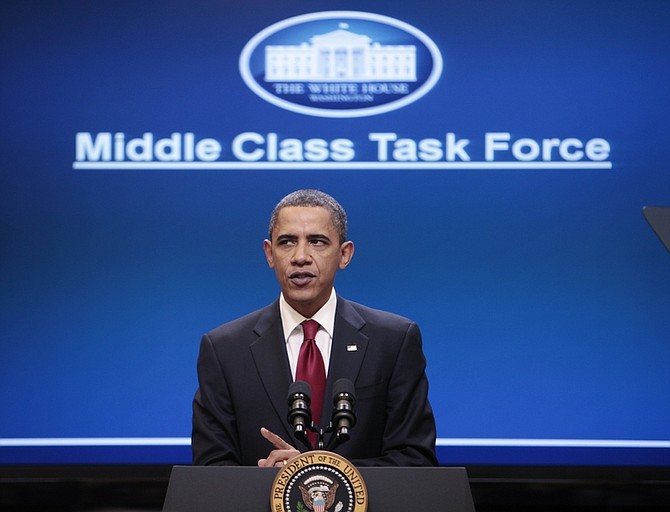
(293, 334)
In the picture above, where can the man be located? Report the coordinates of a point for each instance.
(246, 366)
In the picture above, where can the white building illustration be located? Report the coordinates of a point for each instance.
(340, 56)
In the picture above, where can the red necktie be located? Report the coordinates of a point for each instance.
(312, 370)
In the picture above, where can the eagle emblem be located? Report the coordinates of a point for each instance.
(319, 481)
(318, 493)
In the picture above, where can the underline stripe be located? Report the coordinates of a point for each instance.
(97, 441)
(259, 166)
(453, 442)
(555, 443)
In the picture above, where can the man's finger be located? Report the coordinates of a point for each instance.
(276, 441)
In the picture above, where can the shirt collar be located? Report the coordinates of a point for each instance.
(290, 318)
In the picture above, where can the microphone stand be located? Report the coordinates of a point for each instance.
(320, 433)
(335, 440)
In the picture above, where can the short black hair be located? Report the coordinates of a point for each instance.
(313, 198)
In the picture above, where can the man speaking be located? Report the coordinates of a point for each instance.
(311, 334)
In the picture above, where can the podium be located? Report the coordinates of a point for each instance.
(390, 489)
(658, 218)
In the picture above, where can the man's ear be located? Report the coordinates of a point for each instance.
(346, 253)
(267, 247)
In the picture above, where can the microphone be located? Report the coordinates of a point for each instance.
(344, 416)
(299, 413)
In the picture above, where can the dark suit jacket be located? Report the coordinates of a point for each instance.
(244, 376)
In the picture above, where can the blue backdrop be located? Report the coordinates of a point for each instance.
(542, 294)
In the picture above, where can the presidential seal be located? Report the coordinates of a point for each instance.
(318, 481)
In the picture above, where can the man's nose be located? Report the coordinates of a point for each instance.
(302, 253)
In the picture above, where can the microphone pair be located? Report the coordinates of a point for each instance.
(342, 420)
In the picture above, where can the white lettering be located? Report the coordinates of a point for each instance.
(254, 147)
(290, 150)
(525, 150)
(256, 139)
(430, 150)
(86, 149)
(270, 147)
(342, 150)
(547, 146)
(119, 147)
(495, 141)
(290, 88)
(564, 150)
(168, 149)
(382, 139)
(140, 149)
(208, 150)
(189, 147)
(404, 150)
(456, 148)
(316, 150)
(597, 149)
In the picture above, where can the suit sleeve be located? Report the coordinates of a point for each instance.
(410, 433)
(214, 438)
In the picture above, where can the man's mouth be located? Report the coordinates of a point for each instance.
(301, 278)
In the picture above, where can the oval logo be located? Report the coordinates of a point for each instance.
(319, 481)
(340, 64)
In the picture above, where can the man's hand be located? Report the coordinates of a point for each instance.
(282, 452)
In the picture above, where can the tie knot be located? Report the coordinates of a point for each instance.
(310, 327)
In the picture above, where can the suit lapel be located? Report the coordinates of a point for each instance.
(347, 352)
(269, 353)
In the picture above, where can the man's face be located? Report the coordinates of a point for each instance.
(305, 253)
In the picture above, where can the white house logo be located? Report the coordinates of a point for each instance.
(340, 64)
